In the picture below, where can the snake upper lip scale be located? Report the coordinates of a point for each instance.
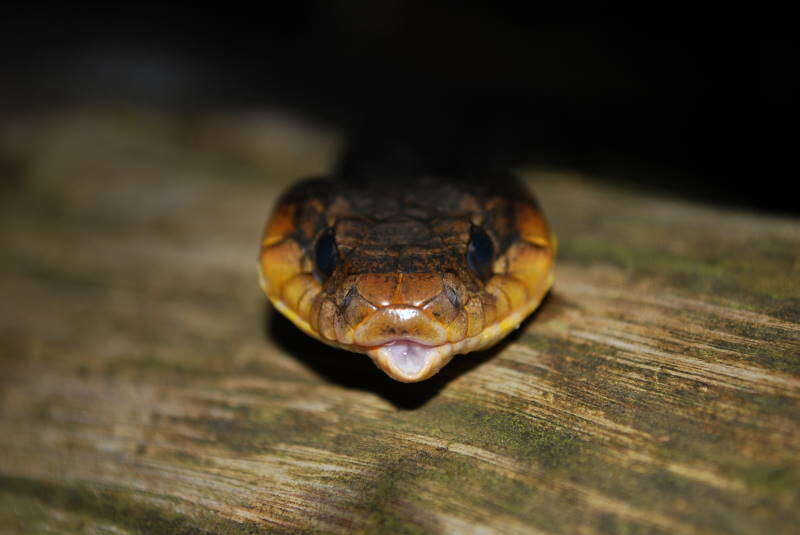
(409, 272)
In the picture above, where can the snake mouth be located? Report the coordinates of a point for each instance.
(409, 361)
(414, 354)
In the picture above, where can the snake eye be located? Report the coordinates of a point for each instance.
(480, 253)
(326, 254)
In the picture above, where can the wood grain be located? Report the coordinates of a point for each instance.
(148, 388)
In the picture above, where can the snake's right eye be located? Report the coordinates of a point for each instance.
(326, 254)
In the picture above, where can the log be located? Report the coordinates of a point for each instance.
(147, 386)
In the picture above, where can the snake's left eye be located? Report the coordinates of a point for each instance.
(480, 253)
(326, 254)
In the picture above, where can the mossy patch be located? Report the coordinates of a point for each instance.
(781, 481)
(123, 508)
(759, 277)
(389, 502)
(515, 435)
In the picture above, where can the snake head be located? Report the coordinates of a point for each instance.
(410, 276)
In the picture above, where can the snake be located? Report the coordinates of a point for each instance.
(409, 271)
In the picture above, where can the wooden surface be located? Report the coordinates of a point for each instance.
(147, 387)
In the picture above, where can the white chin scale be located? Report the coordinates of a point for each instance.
(409, 361)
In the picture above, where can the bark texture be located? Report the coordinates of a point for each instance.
(146, 386)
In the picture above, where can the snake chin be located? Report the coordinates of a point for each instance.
(408, 361)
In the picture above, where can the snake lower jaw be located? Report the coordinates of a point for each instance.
(410, 362)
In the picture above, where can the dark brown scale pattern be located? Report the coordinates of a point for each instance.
(417, 226)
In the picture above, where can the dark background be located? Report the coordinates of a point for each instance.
(694, 104)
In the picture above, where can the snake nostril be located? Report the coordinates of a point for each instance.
(452, 296)
(348, 297)
(354, 308)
